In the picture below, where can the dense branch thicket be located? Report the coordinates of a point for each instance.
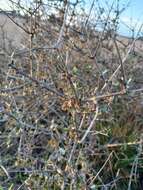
(70, 98)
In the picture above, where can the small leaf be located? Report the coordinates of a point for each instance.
(93, 187)
(75, 70)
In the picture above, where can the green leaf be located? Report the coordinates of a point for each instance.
(75, 70)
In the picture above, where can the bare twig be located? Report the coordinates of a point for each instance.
(90, 126)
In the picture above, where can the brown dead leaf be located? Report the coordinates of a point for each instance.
(70, 104)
